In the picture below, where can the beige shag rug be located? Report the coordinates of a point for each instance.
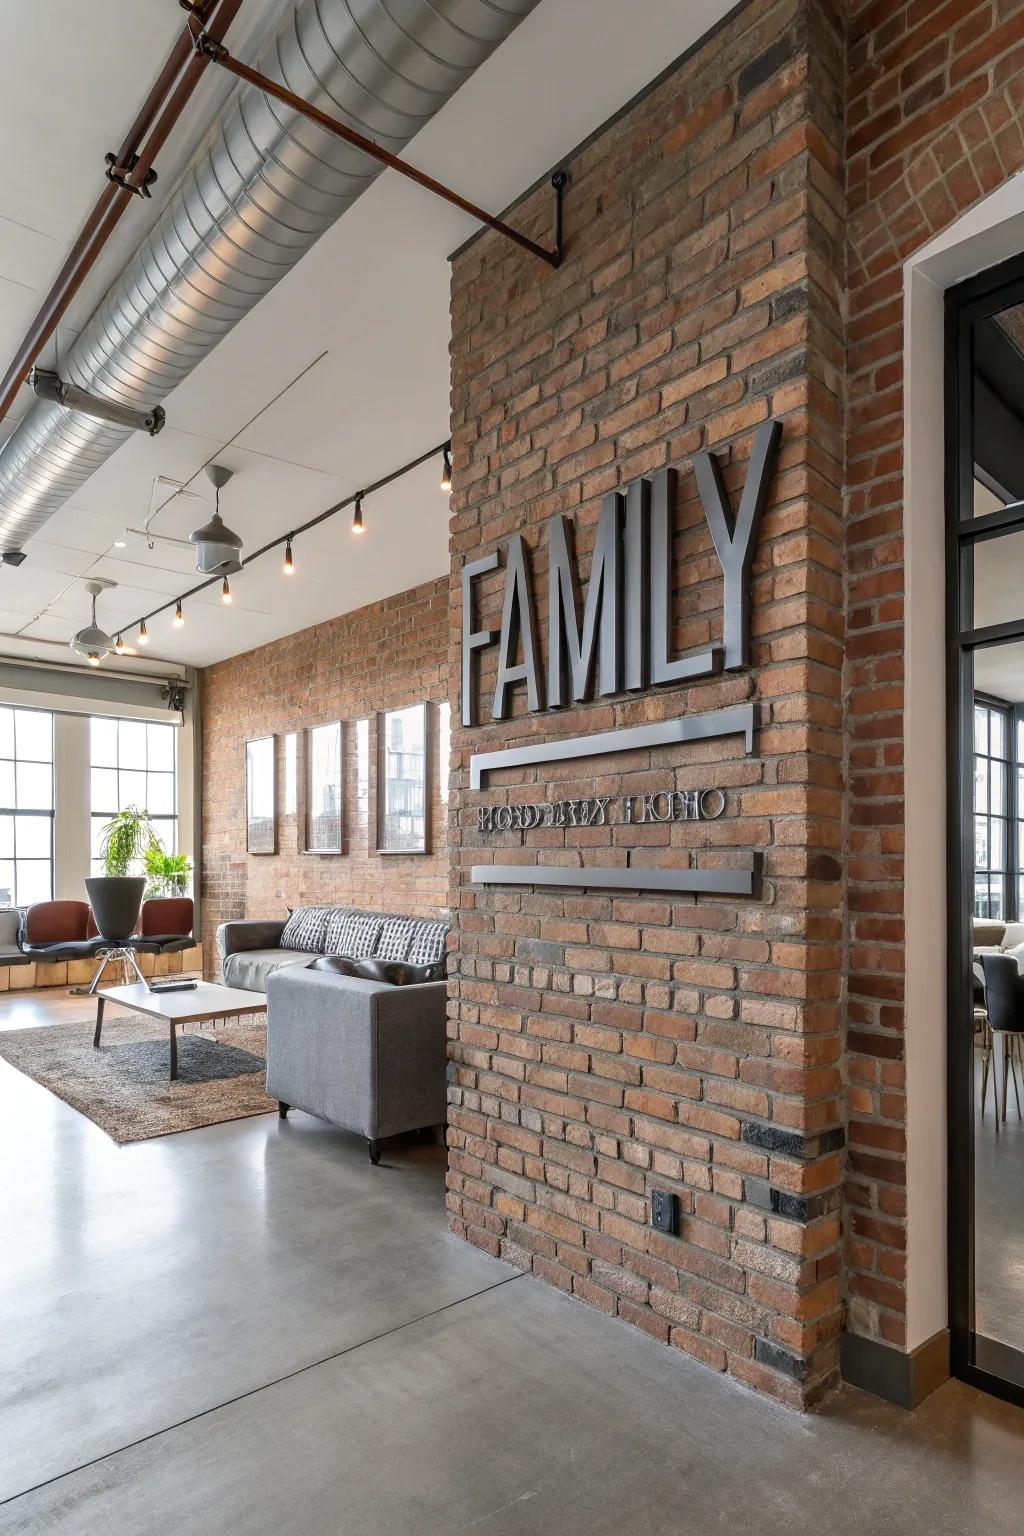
(123, 1086)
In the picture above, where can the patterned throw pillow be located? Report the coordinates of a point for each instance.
(305, 930)
(395, 938)
(428, 944)
(352, 933)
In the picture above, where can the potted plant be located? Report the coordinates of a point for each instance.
(167, 874)
(116, 895)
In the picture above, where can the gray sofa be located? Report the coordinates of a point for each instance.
(365, 1054)
(251, 950)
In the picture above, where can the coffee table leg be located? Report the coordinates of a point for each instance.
(174, 1053)
(99, 1019)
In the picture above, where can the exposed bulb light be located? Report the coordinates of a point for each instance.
(289, 563)
(225, 591)
(120, 541)
(179, 617)
(357, 516)
(119, 646)
(446, 471)
(93, 659)
(143, 633)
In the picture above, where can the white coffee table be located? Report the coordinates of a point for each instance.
(202, 1004)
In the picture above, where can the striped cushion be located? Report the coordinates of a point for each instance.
(305, 930)
(428, 943)
(395, 939)
(353, 934)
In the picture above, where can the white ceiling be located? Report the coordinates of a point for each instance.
(372, 294)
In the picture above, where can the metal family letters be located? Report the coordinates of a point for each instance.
(622, 645)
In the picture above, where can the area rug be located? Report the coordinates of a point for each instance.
(123, 1086)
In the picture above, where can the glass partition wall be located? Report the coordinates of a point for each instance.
(985, 674)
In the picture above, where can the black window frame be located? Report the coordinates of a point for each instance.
(1000, 1370)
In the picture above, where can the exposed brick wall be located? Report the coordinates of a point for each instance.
(603, 1044)
(381, 657)
(935, 93)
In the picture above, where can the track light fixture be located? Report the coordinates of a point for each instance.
(446, 471)
(119, 646)
(231, 547)
(93, 658)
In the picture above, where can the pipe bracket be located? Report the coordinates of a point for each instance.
(120, 174)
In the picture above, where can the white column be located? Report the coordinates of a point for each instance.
(71, 783)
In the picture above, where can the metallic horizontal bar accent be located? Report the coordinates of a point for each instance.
(741, 720)
(739, 881)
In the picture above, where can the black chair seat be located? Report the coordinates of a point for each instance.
(163, 943)
(64, 949)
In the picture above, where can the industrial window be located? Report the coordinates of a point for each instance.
(26, 806)
(134, 763)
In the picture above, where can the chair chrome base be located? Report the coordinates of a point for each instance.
(115, 952)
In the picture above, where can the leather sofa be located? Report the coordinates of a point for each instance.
(251, 950)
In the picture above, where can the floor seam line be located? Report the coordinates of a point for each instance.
(193, 1418)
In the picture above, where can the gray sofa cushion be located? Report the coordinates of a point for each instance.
(305, 930)
(250, 968)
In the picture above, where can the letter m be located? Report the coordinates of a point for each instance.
(602, 615)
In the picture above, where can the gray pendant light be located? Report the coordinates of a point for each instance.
(92, 642)
(218, 548)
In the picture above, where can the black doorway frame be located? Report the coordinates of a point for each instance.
(981, 296)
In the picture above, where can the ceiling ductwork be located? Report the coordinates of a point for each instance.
(261, 189)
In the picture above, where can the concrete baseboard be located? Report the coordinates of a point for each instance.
(900, 1377)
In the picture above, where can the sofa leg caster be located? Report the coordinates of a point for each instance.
(282, 1111)
(373, 1147)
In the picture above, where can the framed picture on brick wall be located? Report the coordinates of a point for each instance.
(324, 788)
(260, 796)
(403, 780)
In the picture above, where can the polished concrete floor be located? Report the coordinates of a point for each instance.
(248, 1329)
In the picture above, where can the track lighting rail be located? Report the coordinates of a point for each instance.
(287, 539)
(211, 48)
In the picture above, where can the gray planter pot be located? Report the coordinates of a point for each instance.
(116, 901)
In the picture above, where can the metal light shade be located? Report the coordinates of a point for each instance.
(92, 642)
(218, 549)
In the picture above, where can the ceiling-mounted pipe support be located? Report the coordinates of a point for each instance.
(120, 174)
(211, 48)
(50, 386)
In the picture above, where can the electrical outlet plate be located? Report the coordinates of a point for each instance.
(664, 1211)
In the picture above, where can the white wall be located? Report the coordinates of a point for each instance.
(988, 234)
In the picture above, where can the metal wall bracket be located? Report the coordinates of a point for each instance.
(213, 49)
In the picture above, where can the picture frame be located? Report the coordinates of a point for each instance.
(404, 749)
(324, 788)
(261, 795)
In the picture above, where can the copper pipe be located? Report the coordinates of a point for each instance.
(156, 117)
(215, 50)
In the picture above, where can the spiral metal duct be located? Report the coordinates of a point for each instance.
(260, 190)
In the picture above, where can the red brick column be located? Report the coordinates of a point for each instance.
(606, 1044)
